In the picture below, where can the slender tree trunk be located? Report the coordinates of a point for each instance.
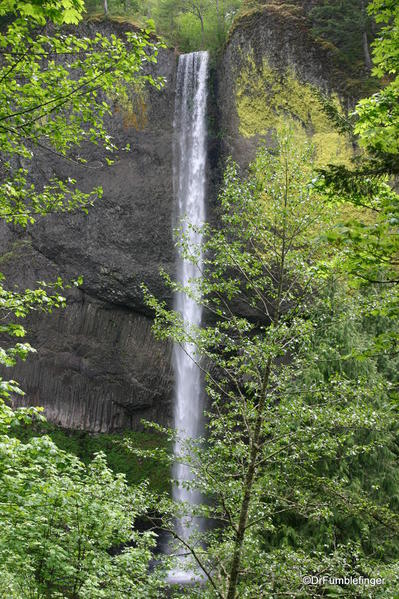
(248, 484)
(256, 440)
(202, 32)
(219, 28)
(366, 48)
(105, 7)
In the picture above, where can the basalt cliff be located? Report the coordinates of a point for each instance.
(98, 366)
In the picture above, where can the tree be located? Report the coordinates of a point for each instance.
(277, 427)
(198, 8)
(370, 237)
(67, 530)
(195, 24)
(365, 37)
(347, 25)
(378, 116)
(166, 13)
(189, 24)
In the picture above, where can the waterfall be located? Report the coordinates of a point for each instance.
(189, 184)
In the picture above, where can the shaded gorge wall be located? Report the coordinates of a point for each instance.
(97, 365)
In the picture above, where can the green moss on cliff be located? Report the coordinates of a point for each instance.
(291, 21)
(98, 17)
(265, 97)
(132, 104)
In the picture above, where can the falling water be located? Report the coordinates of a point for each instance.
(189, 176)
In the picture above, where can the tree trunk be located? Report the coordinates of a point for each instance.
(219, 28)
(366, 50)
(202, 32)
(248, 484)
(105, 7)
(256, 440)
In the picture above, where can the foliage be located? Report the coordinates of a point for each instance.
(342, 343)
(50, 84)
(283, 434)
(85, 445)
(348, 26)
(378, 123)
(201, 24)
(189, 24)
(67, 528)
(371, 245)
(38, 12)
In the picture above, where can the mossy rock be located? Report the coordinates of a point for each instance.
(285, 14)
(266, 97)
(98, 17)
(291, 19)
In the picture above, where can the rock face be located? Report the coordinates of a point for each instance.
(98, 366)
(269, 75)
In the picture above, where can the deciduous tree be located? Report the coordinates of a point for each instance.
(276, 430)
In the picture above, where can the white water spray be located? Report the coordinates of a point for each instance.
(190, 183)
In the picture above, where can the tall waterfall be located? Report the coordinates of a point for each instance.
(189, 183)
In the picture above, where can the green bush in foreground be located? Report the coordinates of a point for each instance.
(67, 529)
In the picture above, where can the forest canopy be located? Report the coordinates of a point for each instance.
(200, 24)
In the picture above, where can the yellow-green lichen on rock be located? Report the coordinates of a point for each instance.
(133, 105)
(265, 97)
